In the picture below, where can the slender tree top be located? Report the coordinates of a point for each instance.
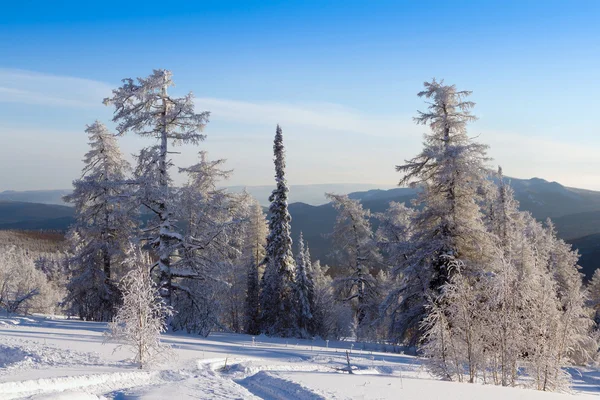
(448, 111)
(279, 241)
(104, 159)
(279, 152)
(206, 174)
(447, 116)
(145, 107)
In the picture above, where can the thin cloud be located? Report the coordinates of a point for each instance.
(328, 116)
(26, 87)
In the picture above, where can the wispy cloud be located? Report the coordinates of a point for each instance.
(320, 115)
(26, 87)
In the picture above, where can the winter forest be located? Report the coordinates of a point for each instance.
(460, 277)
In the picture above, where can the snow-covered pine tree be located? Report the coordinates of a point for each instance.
(304, 289)
(394, 232)
(234, 271)
(328, 321)
(145, 108)
(594, 295)
(356, 250)
(394, 239)
(252, 310)
(255, 253)
(575, 344)
(106, 219)
(141, 318)
(449, 173)
(541, 316)
(505, 300)
(277, 300)
(206, 264)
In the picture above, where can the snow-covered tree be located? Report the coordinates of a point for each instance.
(106, 220)
(303, 288)
(356, 250)
(255, 253)
(393, 236)
(449, 173)
(206, 264)
(331, 318)
(575, 344)
(394, 232)
(541, 315)
(594, 295)
(141, 318)
(145, 107)
(524, 312)
(277, 300)
(23, 288)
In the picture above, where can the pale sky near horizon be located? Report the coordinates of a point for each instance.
(340, 77)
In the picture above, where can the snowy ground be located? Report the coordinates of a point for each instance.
(65, 359)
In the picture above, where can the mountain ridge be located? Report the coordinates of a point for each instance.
(575, 213)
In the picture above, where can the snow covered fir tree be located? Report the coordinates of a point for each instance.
(106, 220)
(460, 276)
(278, 298)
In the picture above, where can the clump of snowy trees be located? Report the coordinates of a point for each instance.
(485, 289)
(486, 292)
(199, 237)
(32, 266)
(214, 260)
(23, 287)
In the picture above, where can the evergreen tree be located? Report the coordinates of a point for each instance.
(206, 261)
(393, 236)
(105, 222)
(255, 253)
(357, 251)
(449, 173)
(324, 306)
(303, 288)
(145, 108)
(594, 295)
(277, 300)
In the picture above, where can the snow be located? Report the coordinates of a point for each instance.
(56, 358)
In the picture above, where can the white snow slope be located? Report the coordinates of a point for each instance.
(45, 358)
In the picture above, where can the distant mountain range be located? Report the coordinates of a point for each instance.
(34, 216)
(309, 194)
(575, 212)
(36, 196)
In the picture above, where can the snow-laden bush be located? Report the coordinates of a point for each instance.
(24, 288)
(142, 317)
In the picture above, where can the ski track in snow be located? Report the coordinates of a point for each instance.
(269, 386)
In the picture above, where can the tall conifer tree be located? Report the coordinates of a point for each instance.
(105, 223)
(277, 296)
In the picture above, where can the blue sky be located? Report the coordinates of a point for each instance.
(341, 78)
